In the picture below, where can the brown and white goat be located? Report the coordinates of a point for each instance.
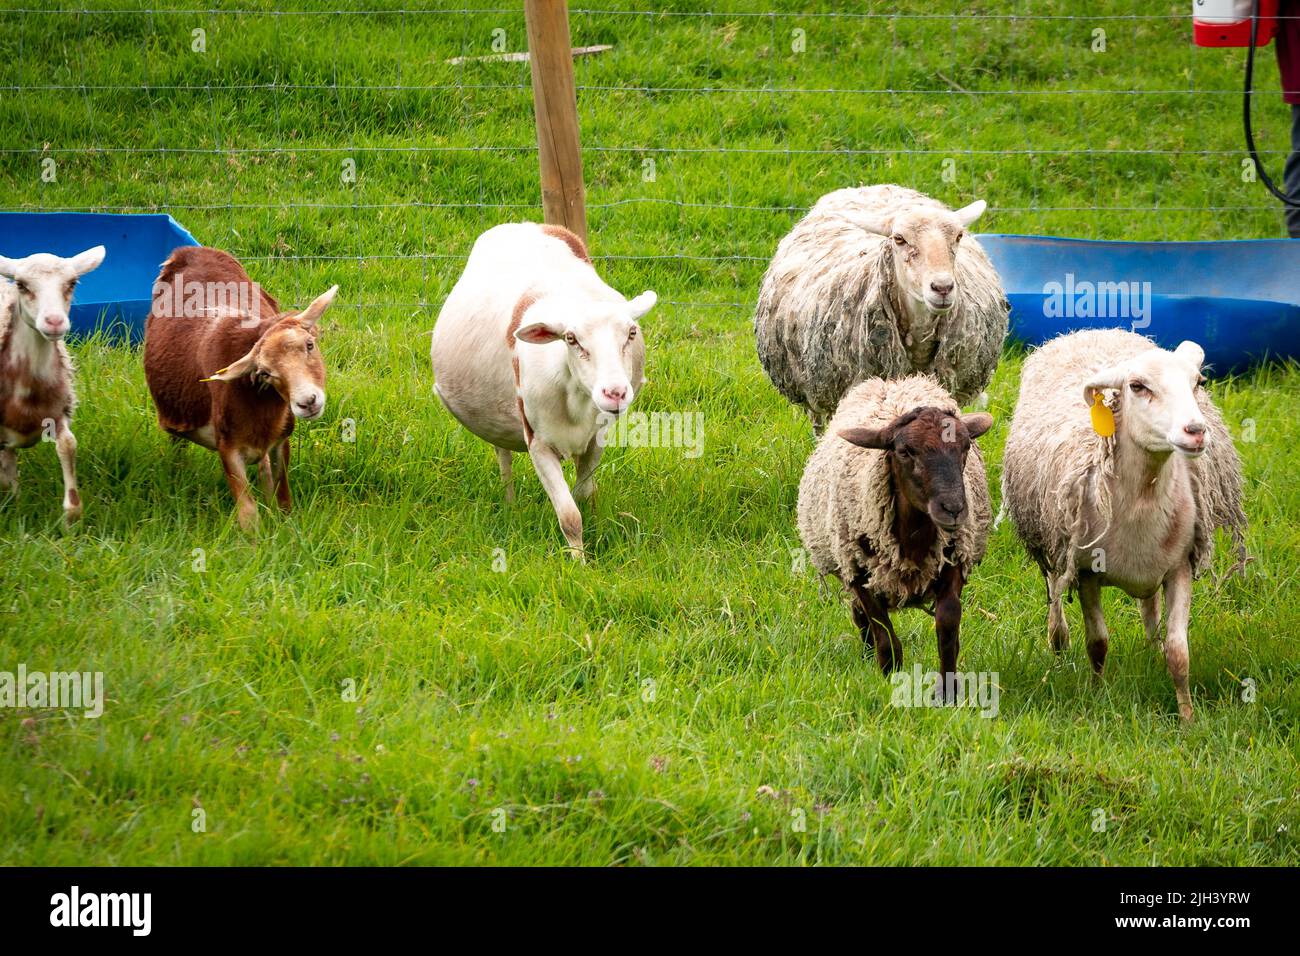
(37, 396)
(230, 371)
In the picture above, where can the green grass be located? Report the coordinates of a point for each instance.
(680, 698)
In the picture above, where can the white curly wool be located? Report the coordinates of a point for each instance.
(846, 496)
(831, 311)
(1055, 462)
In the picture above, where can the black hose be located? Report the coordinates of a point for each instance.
(1250, 136)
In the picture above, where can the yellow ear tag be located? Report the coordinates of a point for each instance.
(1103, 420)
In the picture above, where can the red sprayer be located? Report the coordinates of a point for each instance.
(1248, 23)
(1228, 22)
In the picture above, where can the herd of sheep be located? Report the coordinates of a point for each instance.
(879, 315)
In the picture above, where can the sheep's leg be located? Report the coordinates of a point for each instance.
(861, 619)
(1178, 603)
(8, 470)
(550, 471)
(1058, 631)
(1094, 622)
(280, 475)
(586, 463)
(65, 443)
(818, 420)
(947, 626)
(1151, 618)
(889, 649)
(264, 475)
(506, 462)
(237, 478)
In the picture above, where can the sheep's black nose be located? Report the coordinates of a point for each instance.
(952, 509)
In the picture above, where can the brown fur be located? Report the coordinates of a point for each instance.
(26, 401)
(516, 319)
(570, 239)
(250, 417)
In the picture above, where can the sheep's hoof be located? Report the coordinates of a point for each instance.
(72, 515)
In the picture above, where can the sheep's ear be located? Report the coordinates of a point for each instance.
(1112, 377)
(539, 333)
(87, 261)
(236, 369)
(313, 312)
(8, 267)
(877, 227)
(642, 304)
(968, 214)
(867, 437)
(977, 423)
(1191, 352)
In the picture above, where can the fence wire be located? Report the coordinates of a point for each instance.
(289, 135)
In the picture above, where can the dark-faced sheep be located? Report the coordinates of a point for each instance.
(879, 281)
(894, 503)
(230, 371)
(1136, 508)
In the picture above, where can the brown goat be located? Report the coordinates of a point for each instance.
(36, 389)
(229, 371)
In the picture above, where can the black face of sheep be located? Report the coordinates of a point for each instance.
(927, 450)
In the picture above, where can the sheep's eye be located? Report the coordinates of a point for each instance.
(958, 238)
(570, 338)
(67, 289)
(1137, 388)
(903, 451)
(631, 334)
(1201, 380)
(899, 240)
(23, 288)
(310, 345)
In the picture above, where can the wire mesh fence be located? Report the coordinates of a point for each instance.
(369, 146)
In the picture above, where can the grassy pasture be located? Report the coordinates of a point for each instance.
(688, 696)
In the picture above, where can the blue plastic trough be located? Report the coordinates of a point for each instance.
(1239, 300)
(116, 296)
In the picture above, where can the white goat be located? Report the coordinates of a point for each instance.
(1134, 510)
(37, 397)
(533, 352)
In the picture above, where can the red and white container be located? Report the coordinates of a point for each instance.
(1227, 22)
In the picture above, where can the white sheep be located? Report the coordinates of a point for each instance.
(37, 394)
(879, 281)
(894, 502)
(533, 352)
(1135, 510)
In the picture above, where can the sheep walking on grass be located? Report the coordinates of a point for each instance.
(894, 502)
(533, 352)
(879, 281)
(1136, 509)
(37, 391)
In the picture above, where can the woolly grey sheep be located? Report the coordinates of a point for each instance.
(1136, 510)
(879, 281)
(894, 503)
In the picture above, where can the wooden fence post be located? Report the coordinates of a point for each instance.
(555, 103)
